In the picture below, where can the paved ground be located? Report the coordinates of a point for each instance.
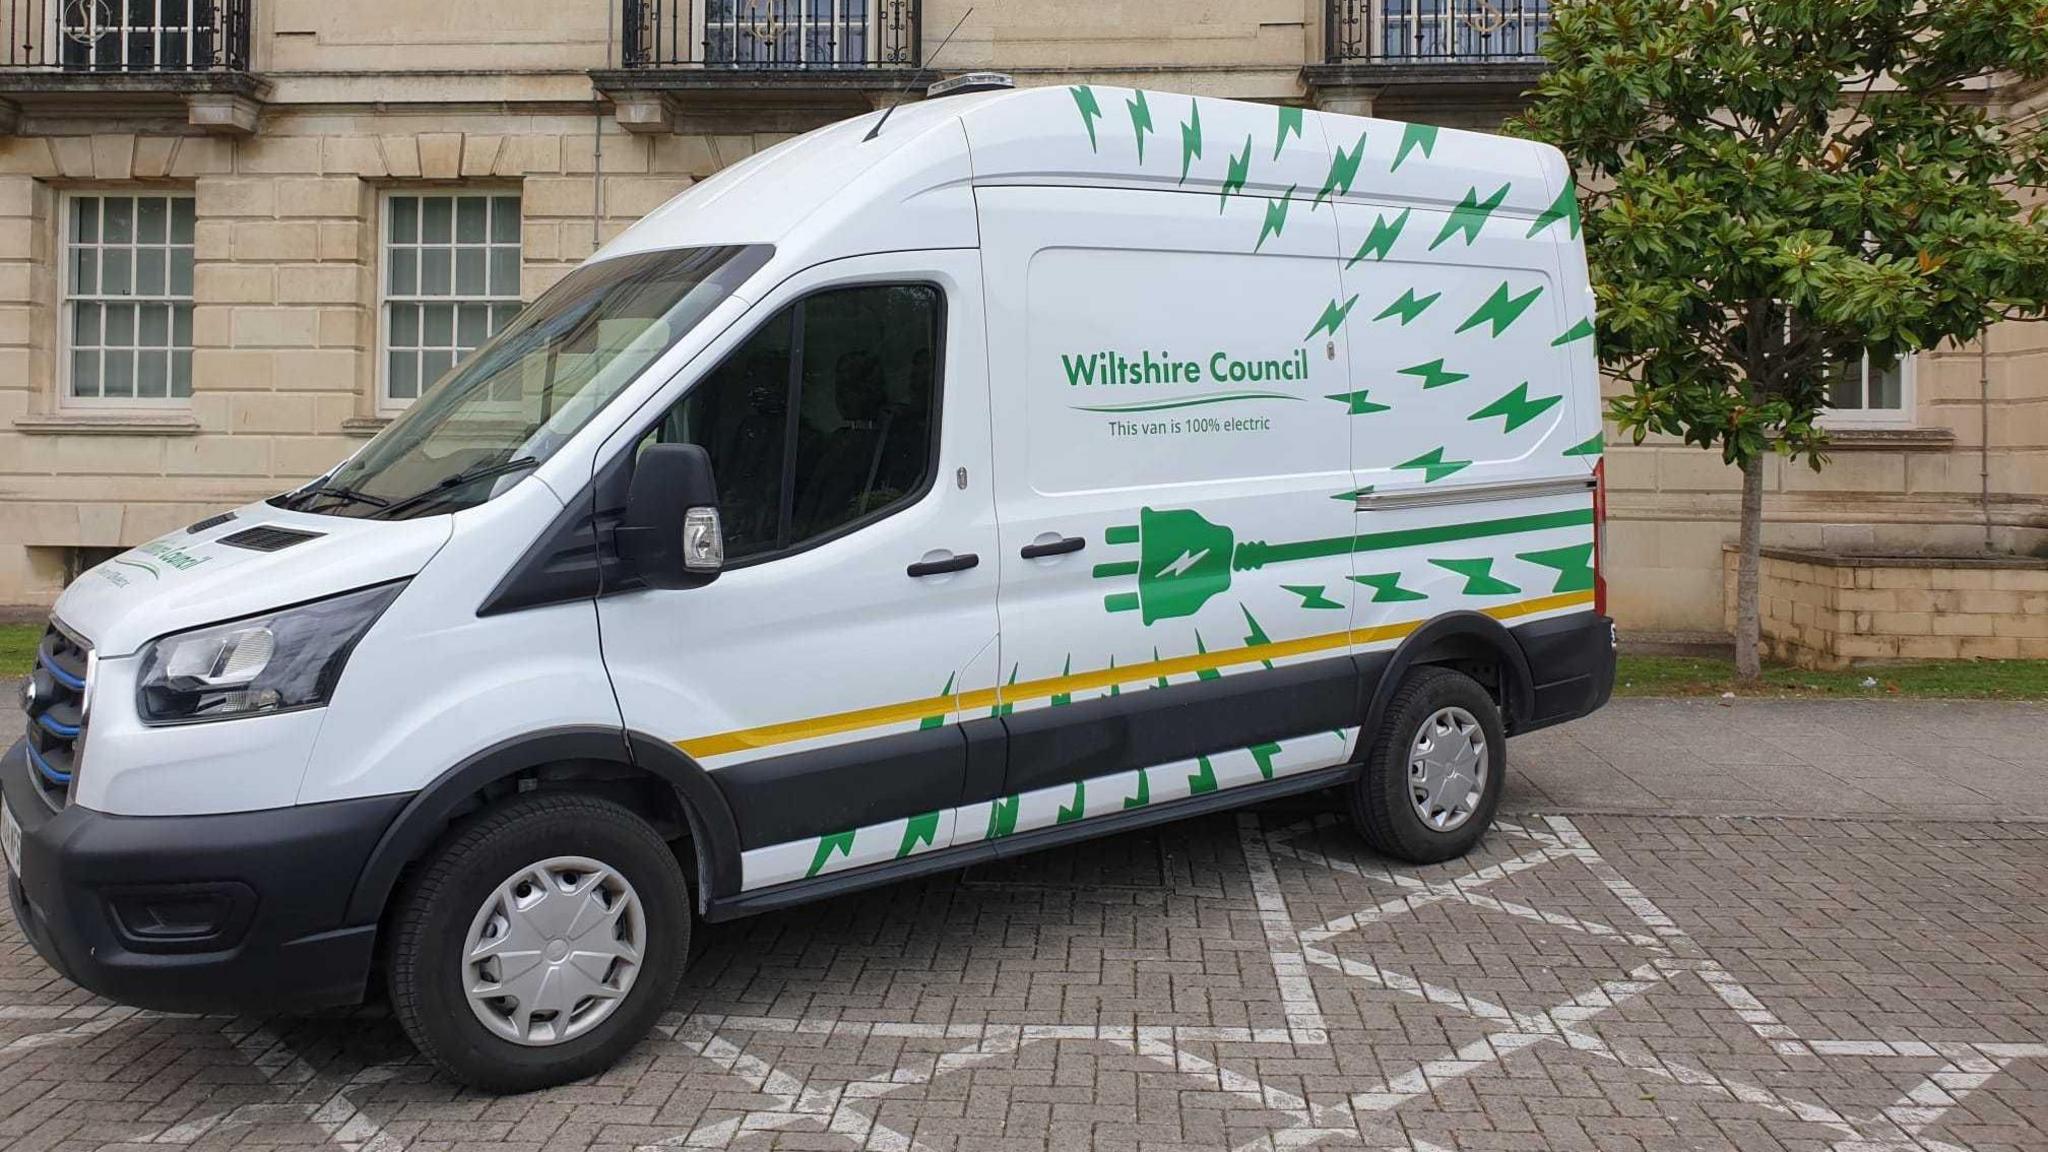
(1622, 966)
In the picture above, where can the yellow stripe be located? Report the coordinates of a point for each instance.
(767, 735)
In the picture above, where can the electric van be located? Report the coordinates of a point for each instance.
(1045, 464)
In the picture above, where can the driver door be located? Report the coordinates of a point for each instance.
(820, 679)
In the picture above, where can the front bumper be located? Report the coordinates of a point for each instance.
(233, 912)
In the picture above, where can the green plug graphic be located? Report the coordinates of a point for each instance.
(1183, 560)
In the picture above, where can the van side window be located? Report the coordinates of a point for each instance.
(826, 416)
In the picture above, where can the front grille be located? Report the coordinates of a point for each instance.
(56, 714)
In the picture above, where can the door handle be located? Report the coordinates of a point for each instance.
(960, 563)
(1058, 547)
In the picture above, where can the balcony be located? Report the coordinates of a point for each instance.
(779, 63)
(1418, 53)
(128, 57)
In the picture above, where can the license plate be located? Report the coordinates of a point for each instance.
(10, 839)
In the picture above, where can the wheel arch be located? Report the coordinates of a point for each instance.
(630, 756)
(1468, 642)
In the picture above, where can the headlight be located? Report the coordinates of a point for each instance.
(274, 663)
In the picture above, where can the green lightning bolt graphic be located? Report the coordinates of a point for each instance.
(1501, 309)
(1593, 446)
(1312, 596)
(1155, 659)
(1408, 307)
(1141, 120)
(1357, 402)
(1580, 331)
(1290, 122)
(1002, 817)
(1352, 496)
(1276, 217)
(1470, 216)
(1333, 318)
(1084, 99)
(1574, 566)
(1006, 707)
(1079, 808)
(840, 844)
(1386, 588)
(1517, 407)
(1190, 138)
(1144, 795)
(1434, 375)
(1421, 136)
(1255, 636)
(1203, 781)
(919, 830)
(1202, 649)
(1566, 207)
(1433, 465)
(1380, 241)
(1060, 699)
(1263, 755)
(1343, 170)
(938, 721)
(1479, 578)
(1239, 170)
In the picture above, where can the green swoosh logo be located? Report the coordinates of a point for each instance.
(138, 564)
(1184, 402)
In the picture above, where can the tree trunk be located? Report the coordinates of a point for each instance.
(1748, 575)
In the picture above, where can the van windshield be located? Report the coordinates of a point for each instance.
(516, 400)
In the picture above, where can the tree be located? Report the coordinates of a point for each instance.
(1774, 188)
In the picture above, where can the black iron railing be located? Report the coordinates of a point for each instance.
(126, 35)
(769, 34)
(1436, 31)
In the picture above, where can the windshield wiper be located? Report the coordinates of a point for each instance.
(346, 495)
(460, 479)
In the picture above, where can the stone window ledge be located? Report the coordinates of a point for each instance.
(364, 426)
(108, 424)
(1890, 439)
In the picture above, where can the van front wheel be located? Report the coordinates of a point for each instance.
(539, 942)
(1434, 774)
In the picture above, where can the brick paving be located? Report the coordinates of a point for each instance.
(1610, 971)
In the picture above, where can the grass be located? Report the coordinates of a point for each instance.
(1948, 680)
(18, 648)
(1638, 676)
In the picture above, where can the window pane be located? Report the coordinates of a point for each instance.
(469, 270)
(469, 219)
(436, 213)
(1887, 387)
(504, 271)
(85, 374)
(181, 374)
(181, 220)
(505, 220)
(405, 271)
(85, 272)
(152, 219)
(738, 413)
(434, 265)
(85, 219)
(405, 325)
(865, 420)
(117, 272)
(1845, 387)
(120, 325)
(433, 364)
(120, 376)
(181, 325)
(405, 219)
(149, 271)
(181, 271)
(85, 324)
(156, 326)
(437, 329)
(502, 315)
(473, 326)
(120, 223)
(405, 375)
(153, 374)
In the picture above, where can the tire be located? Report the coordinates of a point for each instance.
(482, 860)
(1382, 805)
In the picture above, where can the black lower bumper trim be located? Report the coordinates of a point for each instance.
(1573, 661)
(238, 912)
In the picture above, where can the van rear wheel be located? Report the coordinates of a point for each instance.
(539, 942)
(1435, 771)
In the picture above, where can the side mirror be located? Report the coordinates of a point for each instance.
(670, 537)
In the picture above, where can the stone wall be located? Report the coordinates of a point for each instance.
(1822, 610)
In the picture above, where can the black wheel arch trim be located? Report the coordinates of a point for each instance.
(1457, 635)
(413, 831)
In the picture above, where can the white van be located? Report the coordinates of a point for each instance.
(1045, 465)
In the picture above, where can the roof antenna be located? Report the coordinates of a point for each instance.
(912, 78)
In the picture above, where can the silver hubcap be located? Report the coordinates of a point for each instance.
(1447, 767)
(554, 950)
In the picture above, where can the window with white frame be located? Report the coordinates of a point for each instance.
(1871, 391)
(127, 299)
(451, 281)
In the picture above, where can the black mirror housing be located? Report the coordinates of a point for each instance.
(668, 481)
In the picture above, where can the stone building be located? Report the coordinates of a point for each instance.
(236, 236)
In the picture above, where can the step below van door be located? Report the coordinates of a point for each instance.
(824, 676)
(1174, 492)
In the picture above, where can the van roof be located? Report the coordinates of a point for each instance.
(910, 187)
